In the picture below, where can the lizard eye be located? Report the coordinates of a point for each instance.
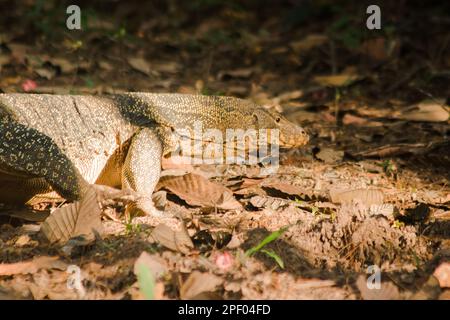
(277, 119)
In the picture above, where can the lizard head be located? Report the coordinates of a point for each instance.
(290, 134)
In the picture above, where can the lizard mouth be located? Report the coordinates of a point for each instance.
(300, 138)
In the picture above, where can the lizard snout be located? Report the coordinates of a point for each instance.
(293, 137)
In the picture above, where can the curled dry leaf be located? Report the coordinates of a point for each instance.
(198, 191)
(31, 266)
(140, 64)
(338, 80)
(198, 283)
(427, 111)
(176, 240)
(78, 218)
(350, 119)
(366, 196)
(309, 42)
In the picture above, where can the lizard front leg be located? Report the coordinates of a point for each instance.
(142, 168)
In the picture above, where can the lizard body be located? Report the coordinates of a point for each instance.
(65, 143)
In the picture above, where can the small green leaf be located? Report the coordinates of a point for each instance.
(146, 282)
(271, 237)
(274, 256)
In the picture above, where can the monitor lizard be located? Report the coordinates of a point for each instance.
(66, 143)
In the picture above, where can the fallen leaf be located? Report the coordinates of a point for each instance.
(329, 155)
(176, 240)
(442, 273)
(338, 80)
(23, 240)
(167, 67)
(105, 65)
(140, 64)
(366, 196)
(65, 65)
(153, 262)
(78, 218)
(198, 283)
(309, 42)
(46, 73)
(427, 111)
(236, 73)
(380, 48)
(288, 96)
(199, 191)
(286, 188)
(350, 119)
(32, 266)
(160, 199)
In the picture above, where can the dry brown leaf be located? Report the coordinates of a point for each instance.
(442, 273)
(236, 73)
(198, 191)
(65, 65)
(199, 283)
(338, 80)
(155, 264)
(380, 49)
(176, 240)
(393, 150)
(329, 155)
(140, 64)
(46, 73)
(286, 188)
(288, 96)
(167, 67)
(23, 240)
(350, 119)
(32, 266)
(78, 218)
(309, 42)
(366, 196)
(427, 111)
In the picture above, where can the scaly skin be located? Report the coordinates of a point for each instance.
(67, 142)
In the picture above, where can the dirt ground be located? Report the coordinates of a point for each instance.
(370, 189)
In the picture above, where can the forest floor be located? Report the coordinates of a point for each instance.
(370, 190)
